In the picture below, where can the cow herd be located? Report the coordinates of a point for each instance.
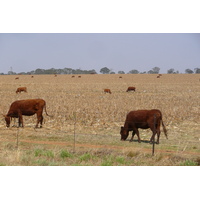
(143, 119)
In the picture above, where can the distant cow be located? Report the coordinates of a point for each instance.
(107, 91)
(21, 89)
(143, 119)
(16, 78)
(130, 89)
(26, 107)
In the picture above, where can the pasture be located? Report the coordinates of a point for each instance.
(85, 127)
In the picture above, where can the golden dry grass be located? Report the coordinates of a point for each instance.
(80, 105)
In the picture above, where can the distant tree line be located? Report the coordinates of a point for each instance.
(57, 71)
(154, 70)
(104, 70)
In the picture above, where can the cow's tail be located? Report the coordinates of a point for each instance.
(46, 111)
(164, 129)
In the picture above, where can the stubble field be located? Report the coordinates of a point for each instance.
(84, 129)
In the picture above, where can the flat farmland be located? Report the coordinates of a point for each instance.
(85, 126)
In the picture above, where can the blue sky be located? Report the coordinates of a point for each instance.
(117, 51)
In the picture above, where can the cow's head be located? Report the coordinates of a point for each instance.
(124, 133)
(7, 119)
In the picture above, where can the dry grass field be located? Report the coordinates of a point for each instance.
(85, 126)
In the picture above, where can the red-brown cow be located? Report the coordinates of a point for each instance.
(26, 107)
(130, 89)
(21, 89)
(107, 91)
(143, 119)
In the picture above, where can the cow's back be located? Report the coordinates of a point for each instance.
(137, 116)
(28, 104)
(143, 118)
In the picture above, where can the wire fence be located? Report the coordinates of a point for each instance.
(77, 135)
(77, 139)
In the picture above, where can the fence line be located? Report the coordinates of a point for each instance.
(107, 135)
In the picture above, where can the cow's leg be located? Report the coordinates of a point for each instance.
(158, 132)
(138, 135)
(39, 119)
(153, 129)
(133, 133)
(20, 122)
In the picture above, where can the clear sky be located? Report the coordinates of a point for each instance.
(117, 51)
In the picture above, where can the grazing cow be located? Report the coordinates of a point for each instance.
(143, 119)
(130, 89)
(26, 107)
(73, 76)
(16, 78)
(158, 76)
(107, 91)
(120, 76)
(79, 76)
(21, 89)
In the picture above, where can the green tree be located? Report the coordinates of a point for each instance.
(39, 71)
(189, 71)
(134, 71)
(121, 72)
(156, 70)
(170, 71)
(104, 70)
(197, 70)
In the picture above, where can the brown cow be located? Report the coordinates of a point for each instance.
(21, 89)
(107, 91)
(130, 89)
(143, 119)
(26, 107)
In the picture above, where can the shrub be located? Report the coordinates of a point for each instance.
(189, 163)
(120, 160)
(85, 157)
(65, 154)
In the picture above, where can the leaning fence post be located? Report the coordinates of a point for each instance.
(154, 134)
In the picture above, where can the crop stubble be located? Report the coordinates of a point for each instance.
(80, 105)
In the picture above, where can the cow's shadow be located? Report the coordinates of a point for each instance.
(142, 141)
